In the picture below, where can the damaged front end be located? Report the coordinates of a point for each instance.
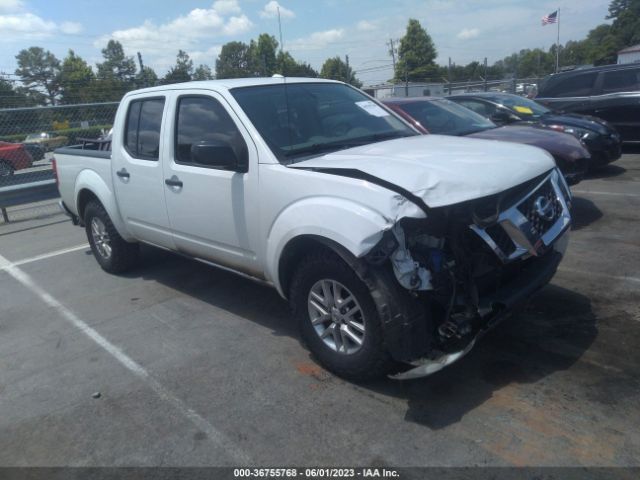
(468, 266)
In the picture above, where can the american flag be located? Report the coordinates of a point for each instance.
(551, 18)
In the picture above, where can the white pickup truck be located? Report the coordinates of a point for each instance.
(396, 251)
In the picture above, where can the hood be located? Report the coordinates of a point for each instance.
(439, 169)
(560, 145)
(576, 120)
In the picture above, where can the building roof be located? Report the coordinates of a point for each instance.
(633, 48)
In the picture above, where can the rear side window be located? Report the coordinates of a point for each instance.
(202, 119)
(572, 86)
(621, 81)
(142, 133)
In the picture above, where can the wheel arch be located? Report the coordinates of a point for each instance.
(90, 186)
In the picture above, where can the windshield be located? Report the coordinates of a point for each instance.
(299, 120)
(446, 118)
(521, 105)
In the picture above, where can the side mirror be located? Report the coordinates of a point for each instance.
(218, 155)
(501, 117)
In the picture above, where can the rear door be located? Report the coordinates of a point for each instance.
(618, 102)
(213, 211)
(571, 93)
(137, 172)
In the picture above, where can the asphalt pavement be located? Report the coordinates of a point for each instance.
(178, 364)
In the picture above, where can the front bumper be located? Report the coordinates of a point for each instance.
(497, 307)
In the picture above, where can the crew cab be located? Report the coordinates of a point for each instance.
(397, 251)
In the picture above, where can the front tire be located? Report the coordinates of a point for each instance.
(113, 253)
(338, 319)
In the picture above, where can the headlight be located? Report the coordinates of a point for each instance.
(577, 132)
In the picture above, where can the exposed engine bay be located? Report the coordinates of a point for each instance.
(470, 264)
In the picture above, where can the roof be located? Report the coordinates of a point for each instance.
(633, 48)
(485, 94)
(230, 83)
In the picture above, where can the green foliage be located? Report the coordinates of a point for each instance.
(146, 78)
(203, 72)
(13, 98)
(117, 72)
(39, 69)
(76, 80)
(335, 69)
(262, 55)
(416, 55)
(289, 67)
(233, 61)
(182, 71)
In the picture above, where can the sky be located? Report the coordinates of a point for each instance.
(312, 30)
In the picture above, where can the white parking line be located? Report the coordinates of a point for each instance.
(55, 253)
(597, 192)
(200, 422)
(603, 275)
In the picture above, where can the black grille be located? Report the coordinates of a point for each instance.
(501, 239)
(545, 196)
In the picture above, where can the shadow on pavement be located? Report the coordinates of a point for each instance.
(551, 334)
(607, 171)
(584, 212)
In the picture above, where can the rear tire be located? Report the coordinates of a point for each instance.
(348, 338)
(113, 253)
(6, 169)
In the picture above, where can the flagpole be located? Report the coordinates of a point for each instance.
(558, 43)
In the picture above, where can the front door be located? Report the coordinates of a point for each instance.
(213, 210)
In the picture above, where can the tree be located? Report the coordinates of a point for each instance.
(147, 77)
(626, 22)
(203, 72)
(262, 55)
(117, 72)
(39, 69)
(335, 69)
(11, 97)
(76, 79)
(416, 55)
(289, 67)
(182, 71)
(233, 61)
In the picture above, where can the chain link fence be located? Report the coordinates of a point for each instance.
(28, 137)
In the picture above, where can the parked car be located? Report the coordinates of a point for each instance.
(610, 92)
(13, 156)
(46, 140)
(35, 150)
(602, 140)
(440, 116)
(390, 246)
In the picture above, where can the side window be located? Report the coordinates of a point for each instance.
(484, 109)
(142, 135)
(621, 81)
(201, 120)
(574, 86)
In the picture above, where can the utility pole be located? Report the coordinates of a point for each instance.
(280, 29)
(392, 51)
(406, 81)
(144, 77)
(485, 74)
(346, 74)
(449, 75)
(558, 44)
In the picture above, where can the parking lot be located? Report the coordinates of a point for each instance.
(180, 364)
